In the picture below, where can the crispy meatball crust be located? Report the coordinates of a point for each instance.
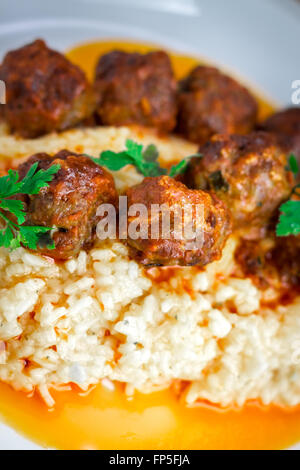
(136, 89)
(158, 251)
(285, 125)
(272, 262)
(45, 92)
(70, 202)
(286, 258)
(247, 172)
(210, 102)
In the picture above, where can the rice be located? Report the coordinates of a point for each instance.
(101, 317)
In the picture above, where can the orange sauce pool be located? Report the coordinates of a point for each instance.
(106, 419)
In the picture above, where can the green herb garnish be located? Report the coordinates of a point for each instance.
(179, 168)
(293, 165)
(14, 233)
(145, 160)
(289, 219)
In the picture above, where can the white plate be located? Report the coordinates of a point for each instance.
(256, 38)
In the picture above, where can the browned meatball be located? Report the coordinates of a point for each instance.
(154, 247)
(44, 91)
(286, 257)
(210, 102)
(285, 125)
(247, 172)
(136, 89)
(254, 259)
(272, 262)
(70, 202)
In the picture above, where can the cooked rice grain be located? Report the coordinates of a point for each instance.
(100, 317)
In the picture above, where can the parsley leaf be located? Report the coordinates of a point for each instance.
(30, 184)
(34, 181)
(181, 166)
(145, 160)
(30, 236)
(112, 160)
(150, 153)
(293, 165)
(15, 207)
(13, 235)
(178, 169)
(289, 220)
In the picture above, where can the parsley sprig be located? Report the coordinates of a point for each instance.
(14, 234)
(145, 160)
(289, 219)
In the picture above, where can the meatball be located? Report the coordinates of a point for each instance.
(44, 91)
(247, 172)
(136, 88)
(161, 239)
(271, 262)
(286, 258)
(254, 260)
(210, 102)
(70, 202)
(285, 125)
